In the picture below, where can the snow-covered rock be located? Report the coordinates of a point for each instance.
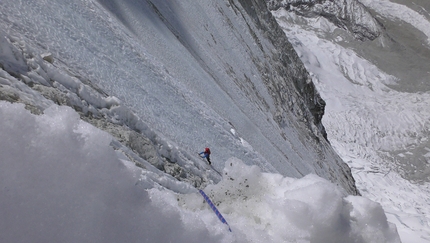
(350, 14)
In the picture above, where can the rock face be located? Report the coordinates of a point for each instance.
(288, 69)
(347, 14)
(292, 88)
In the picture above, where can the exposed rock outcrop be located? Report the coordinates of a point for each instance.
(301, 97)
(347, 14)
(288, 69)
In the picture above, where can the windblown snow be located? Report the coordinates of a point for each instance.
(63, 182)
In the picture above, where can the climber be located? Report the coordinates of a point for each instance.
(206, 154)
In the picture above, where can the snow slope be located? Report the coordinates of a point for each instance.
(396, 11)
(188, 72)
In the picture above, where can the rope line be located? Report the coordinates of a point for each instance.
(218, 214)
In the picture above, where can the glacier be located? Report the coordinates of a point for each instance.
(377, 104)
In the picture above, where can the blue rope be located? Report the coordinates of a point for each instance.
(208, 200)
